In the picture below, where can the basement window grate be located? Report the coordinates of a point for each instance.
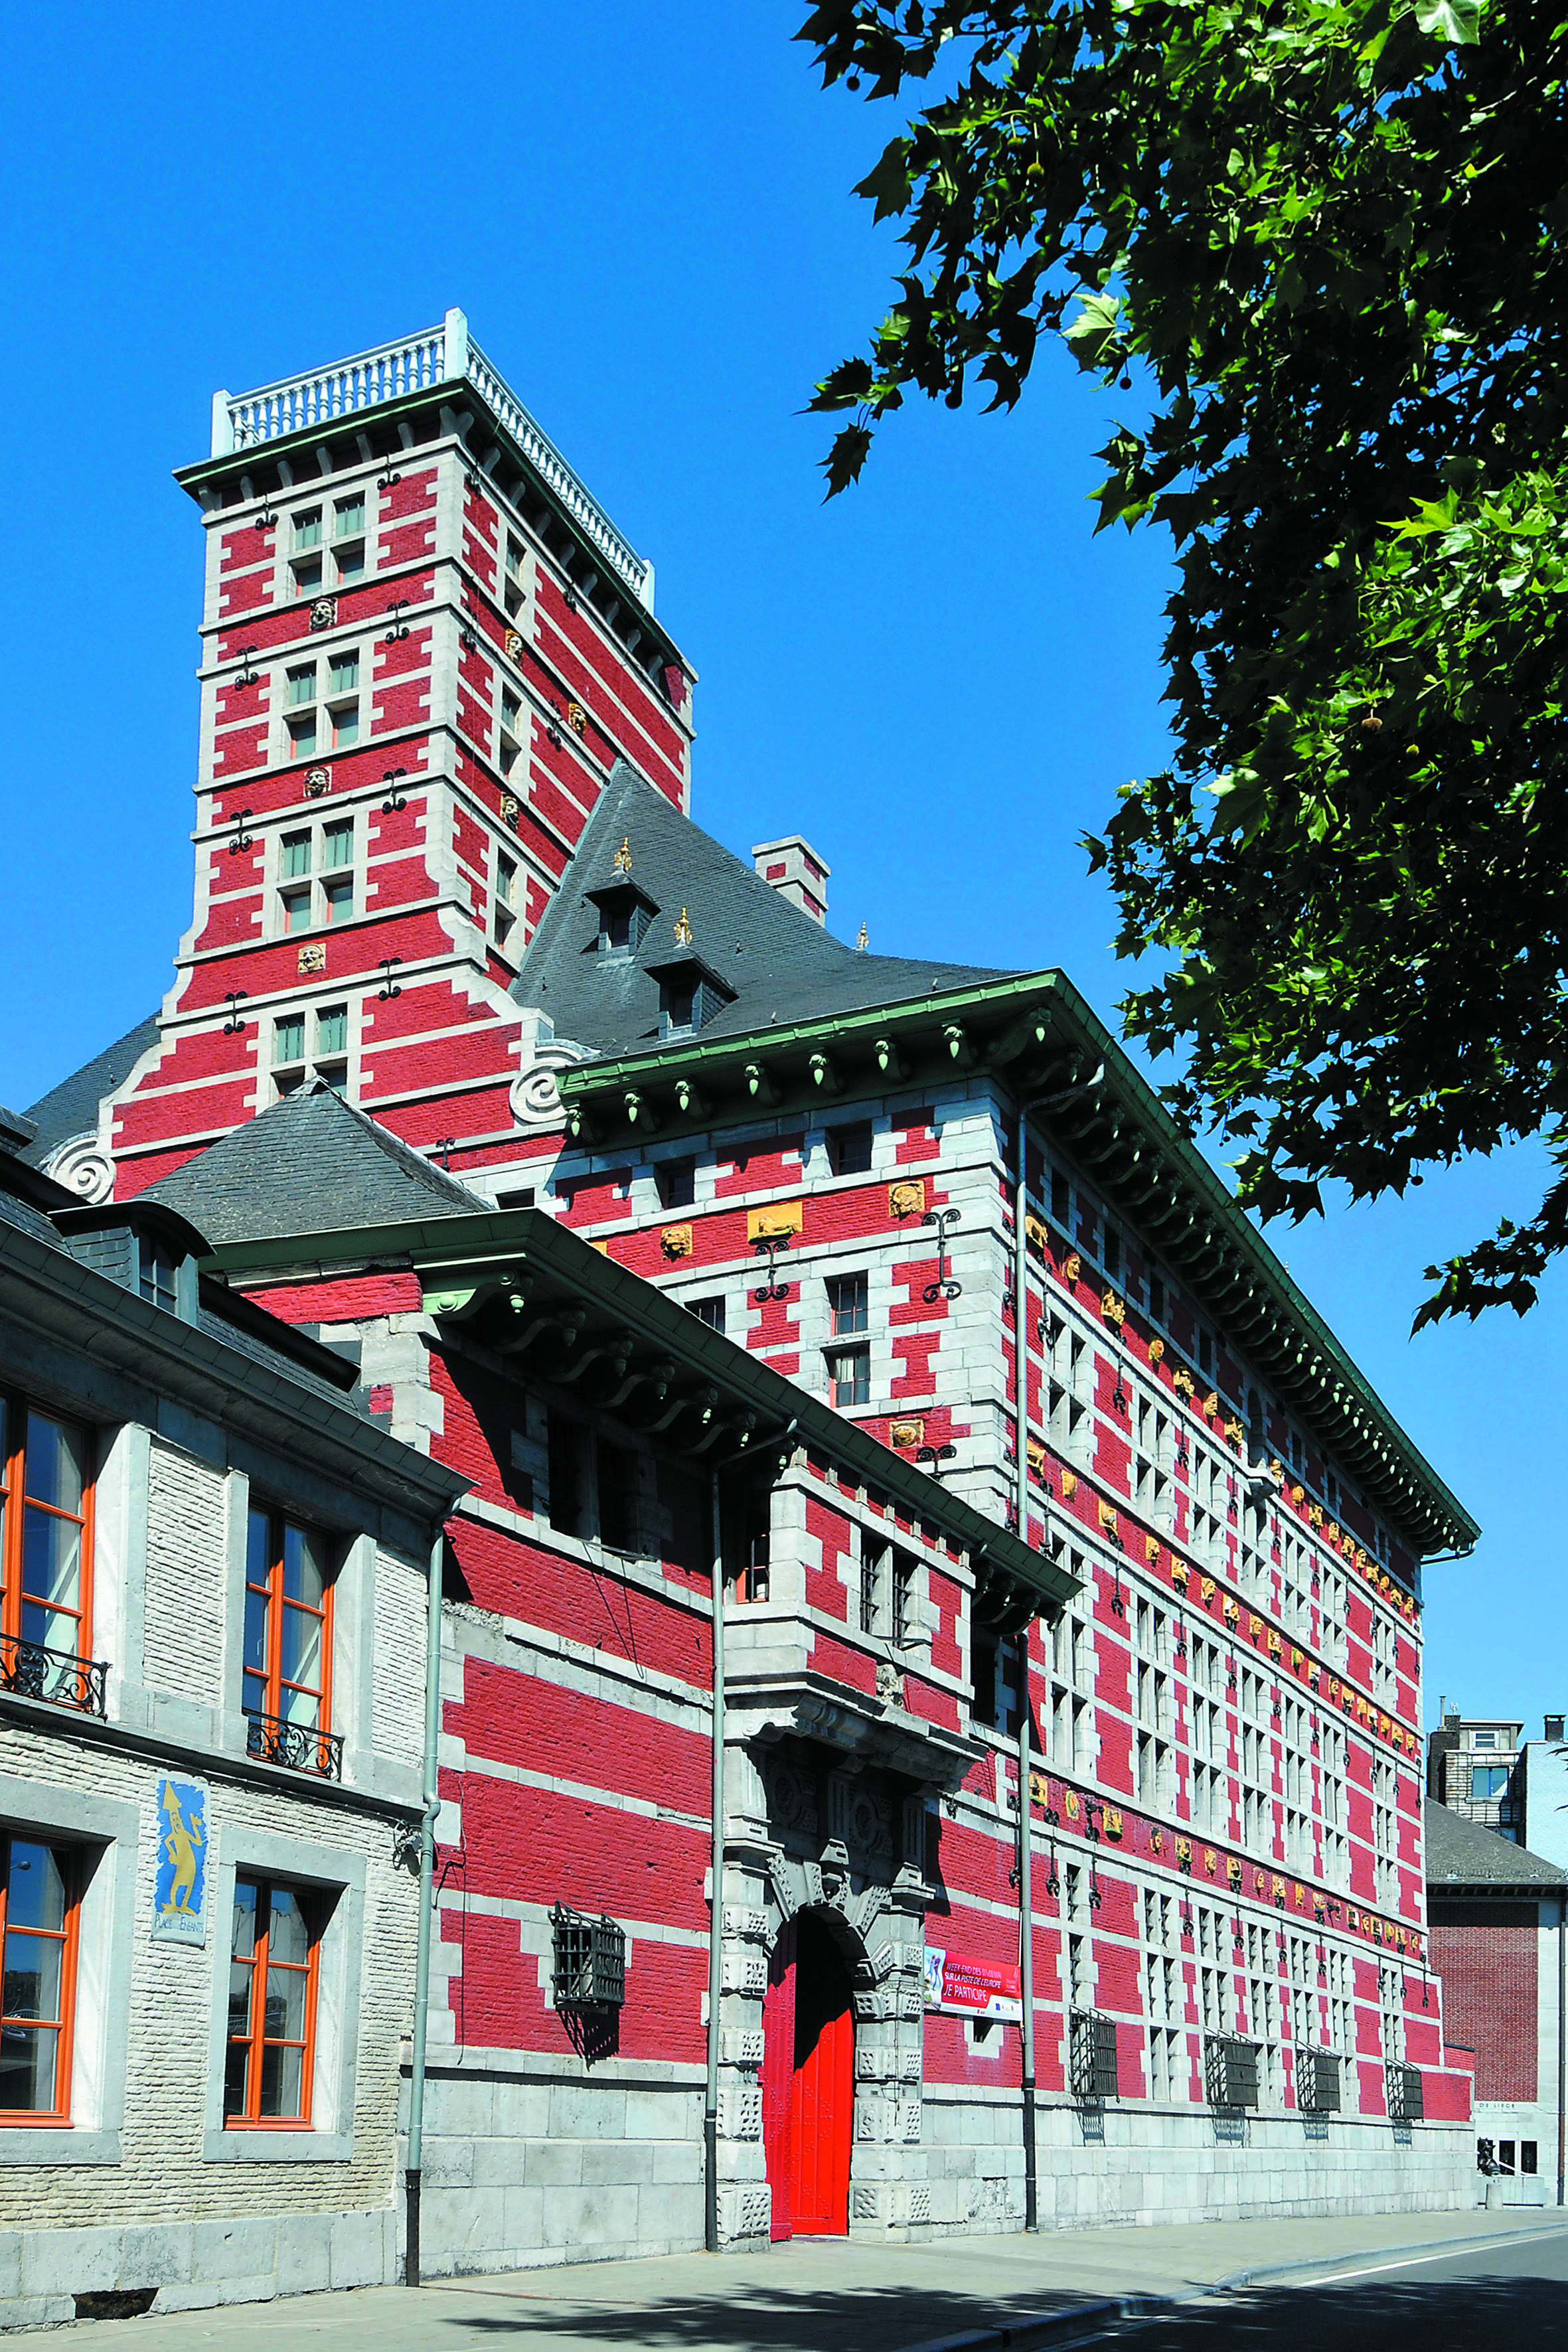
(590, 1960)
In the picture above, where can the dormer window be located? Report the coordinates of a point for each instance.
(625, 914)
(690, 994)
(157, 1273)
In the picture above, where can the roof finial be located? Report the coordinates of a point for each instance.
(683, 930)
(623, 855)
(863, 941)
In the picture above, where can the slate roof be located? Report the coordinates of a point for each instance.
(72, 1108)
(1461, 1853)
(311, 1163)
(781, 965)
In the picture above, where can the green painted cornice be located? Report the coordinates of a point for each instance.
(515, 1276)
(1033, 1034)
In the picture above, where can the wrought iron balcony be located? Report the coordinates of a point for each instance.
(33, 1670)
(299, 1745)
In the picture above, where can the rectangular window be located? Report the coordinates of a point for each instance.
(272, 1983)
(155, 1275)
(506, 879)
(344, 724)
(294, 851)
(903, 1599)
(513, 555)
(848, 1304)
(288, 1642)
(333, 1029)
(676, 1181)
(849, 1150)
(850, 1375)
(302, 736)
(343, 673)
(45, 1507)
(567, 1474)
(873, 1576)
(338, 845)
(1488, 1781)
(510, 710)
(339, 899)
(350, 562)
(708, 1310)
(349, 516)
(302, 682)
(38, 1907)
(307, 575)
(288, 1039)
(308, 528)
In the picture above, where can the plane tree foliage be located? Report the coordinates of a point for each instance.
(1321, 242)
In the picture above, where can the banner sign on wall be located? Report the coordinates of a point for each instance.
(972, 1988)
(180, 1885)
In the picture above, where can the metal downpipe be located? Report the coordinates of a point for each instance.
(716, 1908)
(414, 2166)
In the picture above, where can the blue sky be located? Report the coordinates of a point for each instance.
(939, 679)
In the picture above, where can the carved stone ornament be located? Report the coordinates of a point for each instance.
(576, 718)
(513, 644)
(907, 1199)
(676, 1241)
(907, 1433)
(535, 1094)
(324, 613)
(83, 1167)
(317, 781)
(510, 805)
(312, 958)
(890, 1683)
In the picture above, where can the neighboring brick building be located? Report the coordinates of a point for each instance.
(1498, 1924)
(211, 1682)
(1041, 1429)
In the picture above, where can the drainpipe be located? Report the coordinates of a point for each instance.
(1563, 2051)
(426, 1902)
(1025, 1821)
(1021, 1472)
(716, 1908)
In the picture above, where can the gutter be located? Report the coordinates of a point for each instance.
(412, 2178)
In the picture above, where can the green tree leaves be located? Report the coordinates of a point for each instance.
(1330, 235)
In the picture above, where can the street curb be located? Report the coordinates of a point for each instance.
(1047, 2329)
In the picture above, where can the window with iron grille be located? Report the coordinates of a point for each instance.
(590, 1960)
(1405, 2103)
(1318, 2081)
(1230, 2070)
(1092, 2056)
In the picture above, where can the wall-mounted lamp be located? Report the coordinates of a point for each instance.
(944, 1287)
(446, 1145)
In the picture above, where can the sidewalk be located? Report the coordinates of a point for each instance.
(815, 2295)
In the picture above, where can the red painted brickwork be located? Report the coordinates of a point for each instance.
(1487, 1955)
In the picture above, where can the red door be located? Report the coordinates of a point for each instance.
(808, 2083)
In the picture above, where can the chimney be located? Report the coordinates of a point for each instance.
(795, 872)
(1554, 1727)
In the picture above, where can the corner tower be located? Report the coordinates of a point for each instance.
(425, 647)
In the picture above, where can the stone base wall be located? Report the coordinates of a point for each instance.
(193, 2266)
(529, 2162)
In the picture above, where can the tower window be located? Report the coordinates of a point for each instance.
(849, 1149)
(308, 528)
(848, 1304)
(676, 1181)
(333, 1029)
(345, 726)
(302, 736)
(850, 1375)
(349, 516)
(155, 1273)
(708, 1310)
(343, 672)
(288, 1040)
(302, 682)
(338, 844)
(295, 848)
(307, 571)
(296, 910)
(338, 901)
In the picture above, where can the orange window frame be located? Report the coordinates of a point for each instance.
(257, 2040)
(277, 1604)
(15, 1505)
(68, 1937)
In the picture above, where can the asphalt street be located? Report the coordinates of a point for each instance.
(1503, 2299)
